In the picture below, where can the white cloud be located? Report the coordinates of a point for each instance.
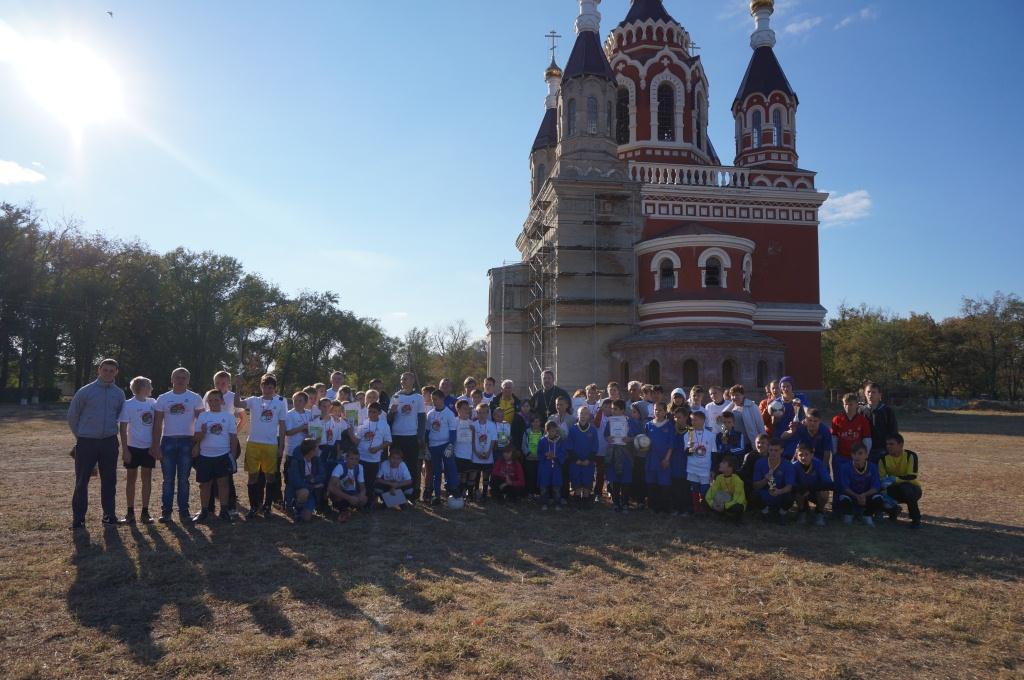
(865, 14)
(12, 173)
(802, 26)
(841, 209)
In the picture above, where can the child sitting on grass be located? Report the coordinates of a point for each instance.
(551, 452)
(394, 475)
(305, 479)
(726, 495)
(347, 486)
(813, 484)
(859, 488)
(774, 479)
(507, 479)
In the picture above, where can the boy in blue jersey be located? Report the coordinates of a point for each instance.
(619, 431)
(729, 441)
(658, 469)
(813, 484)
(680, 489)
(551, 452)
(773, 482)
(442, 428)
(305, 478)
(581, 448)
(859, 488)
(814, 433)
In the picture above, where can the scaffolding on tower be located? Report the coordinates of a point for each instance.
(541, 308)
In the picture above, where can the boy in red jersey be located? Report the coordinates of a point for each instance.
(849, 428)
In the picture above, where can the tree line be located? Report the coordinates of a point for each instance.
(68, 297)
(977, 354)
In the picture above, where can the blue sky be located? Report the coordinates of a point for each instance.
(380, 149)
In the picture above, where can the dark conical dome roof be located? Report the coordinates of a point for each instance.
(547, 135)
(764, 75)
(588, 59)
(642, 10)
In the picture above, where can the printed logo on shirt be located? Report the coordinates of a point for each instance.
(266, 415)
(147, 418)
(369, 435)
(406, 409)
(177, 409)
(348, 482)
(216, 428)
(483, 438)
(435, 425)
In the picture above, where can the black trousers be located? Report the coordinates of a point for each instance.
(639, 490)
(409, 445)
(88, 454)
(847, 506)
(904, 492)
(530, 469)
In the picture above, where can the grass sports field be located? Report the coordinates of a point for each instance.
(506, 591)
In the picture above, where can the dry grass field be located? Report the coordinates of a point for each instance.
(511, 592)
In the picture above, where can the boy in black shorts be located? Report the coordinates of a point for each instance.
(135, 425)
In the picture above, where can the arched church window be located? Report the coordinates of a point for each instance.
(713, 273)
(539, 175)
(728, 372)
(570, 123)
(591, 115)
(690, 373)
(666, 113)
(698, 118)
(776, 127)
(756, 136)
(622, 116)
(667, 275)
(654, 372)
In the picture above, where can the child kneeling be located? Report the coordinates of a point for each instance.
(347, 486)
(726, 495)
(305, 478)
(859, 488)
(508, 482)
(813, 484)
(394, 476)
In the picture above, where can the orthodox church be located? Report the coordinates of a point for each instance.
(643, 256)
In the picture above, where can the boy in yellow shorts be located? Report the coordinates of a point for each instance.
(265, 446)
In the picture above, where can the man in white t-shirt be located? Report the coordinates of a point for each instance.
(394, 476)
(408, 417)
(173, 429)
(264, 449)
(214, 440)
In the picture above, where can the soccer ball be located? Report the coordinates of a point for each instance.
(776, 408)
(720, 499)
(642, 442)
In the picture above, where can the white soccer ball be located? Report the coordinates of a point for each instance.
(776, 408)
(642, 442)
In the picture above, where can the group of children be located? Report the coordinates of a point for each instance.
(359, 450)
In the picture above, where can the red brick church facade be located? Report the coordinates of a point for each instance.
(643, 256)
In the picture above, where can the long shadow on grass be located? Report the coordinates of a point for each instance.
(286, 575)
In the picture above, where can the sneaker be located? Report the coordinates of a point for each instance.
(783, 516)
(894, 514)
(251, 515)
(225, 516)
(847, 519)
(111, 521)
(435, 501)
(819, 521)
(268, 509)
(765, 511)
(625, 510)
(915, 524)
(544, 507)
(144, 516)
(165, 517)
(184, 517)
(868, 521)
(200, 516)
(129, 517)
(618, 508)
(558, 508)
(801, 518)
(78, 524)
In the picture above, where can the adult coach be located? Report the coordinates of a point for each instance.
(543, 402)
(408, 416)
(92, 418)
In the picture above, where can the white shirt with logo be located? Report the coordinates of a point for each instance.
(440, 425)
(265, 416)
(349, 477)
(219, 428)
(407, 413)
(179, 412)
(292, 420)
(394, 474)
(484, 436)
(139, 416)
(372, 434)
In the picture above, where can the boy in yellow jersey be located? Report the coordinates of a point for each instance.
(726, 494)
(898, 470)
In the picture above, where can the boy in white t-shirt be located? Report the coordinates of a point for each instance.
(394, 476)
(463, 442)
(347, 486)
(265, 446)
(135, 425)
(485, 439)
(407, 414)
(373, 436)
(442, 433)
(213, 442)
(173, 428)
(222, 383)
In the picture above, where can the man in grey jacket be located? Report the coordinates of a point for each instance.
(92, 418)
